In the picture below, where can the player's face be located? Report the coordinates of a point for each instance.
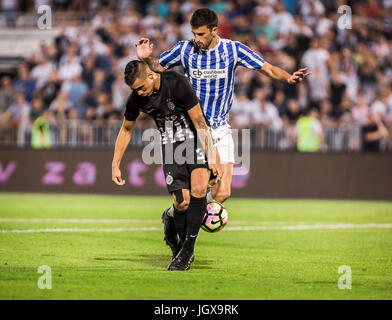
(143, 87)
(204, 36)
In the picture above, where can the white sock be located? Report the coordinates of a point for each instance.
(170, 212)
(209, 197)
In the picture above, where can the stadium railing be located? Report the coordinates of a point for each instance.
(99, 133)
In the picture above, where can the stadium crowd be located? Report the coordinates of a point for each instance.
(80, 75)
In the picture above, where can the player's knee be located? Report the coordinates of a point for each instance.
(199, 191)
(183, 205)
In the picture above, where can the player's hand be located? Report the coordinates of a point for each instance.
(116, 177)
(298, 76)
(216, 168)
(144, 48)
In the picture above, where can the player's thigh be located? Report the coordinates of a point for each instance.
(181, 199)
(199, 182)
(223, 141)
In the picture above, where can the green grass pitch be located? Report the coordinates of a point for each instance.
(111, 247)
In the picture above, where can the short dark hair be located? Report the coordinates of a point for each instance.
(133, 70)
(204, 17)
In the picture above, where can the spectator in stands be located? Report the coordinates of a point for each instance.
(101, 84)
(61, 105)
(218, 6)
(380, 104)
(120, 92)
(40, 135)
(76, 90)
(40, 73)
(337, 91)
(282, 20)
(292, 113)
(266, 114)
(69, 68)
(373, 132)
(50, 90)
(326, 112)
(241, 110)
(309, 132)
(7, 93)
(266, 117)
(24, 83)
(262, 25)
(104, 108)
(88, 70)
(360, 111)
(16, 113)
(37, 108)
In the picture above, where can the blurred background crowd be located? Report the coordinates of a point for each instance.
(71, 90)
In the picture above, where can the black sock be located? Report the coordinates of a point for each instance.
(180, 223)
(195, 215)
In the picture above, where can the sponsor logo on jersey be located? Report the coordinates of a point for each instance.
(208, 73)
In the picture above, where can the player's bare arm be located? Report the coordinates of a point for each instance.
(203, 132)
(277, 73)
(123, 139)
(144, 50)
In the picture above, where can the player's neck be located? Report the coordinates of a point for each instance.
(213, 43)
(157, 83)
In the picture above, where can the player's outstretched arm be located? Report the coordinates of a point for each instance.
(144, 51)
(204, 135)
(123, 139)
(277, 73)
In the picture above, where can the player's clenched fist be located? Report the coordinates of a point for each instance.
(217, 170)
(116, 177)
(215, 166)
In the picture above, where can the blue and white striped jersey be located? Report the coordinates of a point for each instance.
(211, 73)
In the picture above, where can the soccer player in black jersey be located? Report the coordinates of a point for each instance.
(170, 100)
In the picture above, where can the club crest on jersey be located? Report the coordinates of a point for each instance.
(169, 179)
(170, 104)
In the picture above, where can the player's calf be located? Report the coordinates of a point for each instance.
(180, 207)
(195, 214)
(170, 232)
(221, 196)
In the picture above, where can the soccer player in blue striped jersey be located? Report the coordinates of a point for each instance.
(209, 63)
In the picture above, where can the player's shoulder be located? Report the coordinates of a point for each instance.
(183, 43)
(230, 41)
(173, 76)
(234, 44)
(134, 99)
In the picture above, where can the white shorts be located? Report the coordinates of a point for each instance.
(223, 141)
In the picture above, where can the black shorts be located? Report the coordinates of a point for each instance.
(178, 174)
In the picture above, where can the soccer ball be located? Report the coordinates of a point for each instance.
(215, 218)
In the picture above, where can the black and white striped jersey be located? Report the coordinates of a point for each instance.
(168, 107)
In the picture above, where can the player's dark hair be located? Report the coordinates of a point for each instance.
(133, 70)
(204, 17)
